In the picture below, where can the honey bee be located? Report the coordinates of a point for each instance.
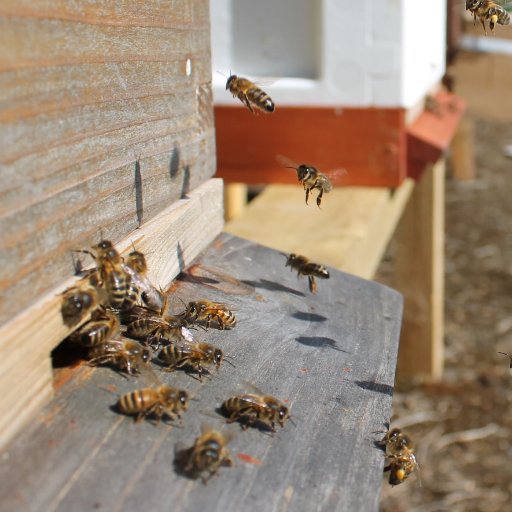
(204, 311)
(207, 455)
(77, 302)
(400, 466)
(510, 357)
(103, 326)
(249, 94)
(311, 178)
(127, 355)
(400, 455)
(121, 292)
(304, 267)
(252, 408)
(148, 325)
(198, 356)
(158, 402)
(136, 266)
(488, 10)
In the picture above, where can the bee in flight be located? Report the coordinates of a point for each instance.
(310, 178)
(304, 267)
(205, 311)
(206, 456)
(400, 456)
(251, 408)
(157, 402)
(488, 10)
(249, 94)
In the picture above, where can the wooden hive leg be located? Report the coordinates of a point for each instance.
(235, 200)
(462, 153)
(419, 275)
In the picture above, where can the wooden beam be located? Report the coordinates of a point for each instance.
(171, 241)
(419, 275)
(462, 158)
(350, 231)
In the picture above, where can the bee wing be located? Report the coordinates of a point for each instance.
(149, 376)
(187, 334)
(286, 162)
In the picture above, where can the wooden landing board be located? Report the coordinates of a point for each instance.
(350, 231)
(331, 357)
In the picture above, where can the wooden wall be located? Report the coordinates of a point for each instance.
(105, 119)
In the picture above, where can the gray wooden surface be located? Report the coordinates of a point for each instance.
(331, 357)
(105, 119)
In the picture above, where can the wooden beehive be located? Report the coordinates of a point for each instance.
(106, 130)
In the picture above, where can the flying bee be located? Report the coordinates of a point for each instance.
(304, 267)
(127, 355)
(204, 311)
(121, 292)
(251, 408)
(157, 402)
(249, 94)
(488, 10)
(102, 327)
(199, 356)
(400, 466)
(311, 178)
(77, 302)
(136, 267)
(145, 324)
(206, 456)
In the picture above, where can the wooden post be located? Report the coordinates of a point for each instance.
(419, 275)
(463, 157)
(235, 200)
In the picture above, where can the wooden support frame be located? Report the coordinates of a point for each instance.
(171, 241)
(419, 275)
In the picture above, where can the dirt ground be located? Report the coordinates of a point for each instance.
(462, 427)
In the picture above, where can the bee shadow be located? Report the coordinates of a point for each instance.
(258, 425)
(385, 389)
(309, 317)
(318, 342)
(272, 286)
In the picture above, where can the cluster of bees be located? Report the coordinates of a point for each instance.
(129, 323)
(488, 11)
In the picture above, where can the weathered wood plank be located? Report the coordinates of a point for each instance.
(105, 120)
(170, 240)
(331, 356)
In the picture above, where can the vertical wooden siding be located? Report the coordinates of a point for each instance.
(105, 119)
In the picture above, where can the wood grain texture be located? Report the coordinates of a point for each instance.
(171, 240)
(350, 231)
(331, 357)
(105, 120)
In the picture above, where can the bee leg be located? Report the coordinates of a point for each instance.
(307, 195)
(319, 198)
(245, 100)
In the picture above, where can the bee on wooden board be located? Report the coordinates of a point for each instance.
(205, 311)
(127, 355)
(102, 327)
(400, 456)
(77, 302)
(510, 358)
(207, 455)
(158, 402)
(156, 329)
(121, 292)
(136, 266)
(249, 94)
(250, 409)
(304, 267)
(199, 356)
(488, 11)
(311, 178)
